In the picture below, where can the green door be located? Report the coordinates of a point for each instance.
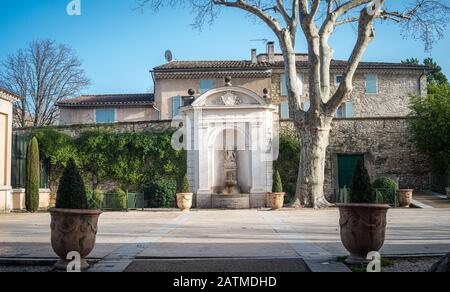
(346, 168)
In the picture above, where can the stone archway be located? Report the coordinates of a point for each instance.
(231, 122)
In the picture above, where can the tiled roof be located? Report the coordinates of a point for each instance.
(8, 95)
(109, 99)
(219, 65)
(190, 66)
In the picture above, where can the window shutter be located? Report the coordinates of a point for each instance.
(371, 83)
(176, 104)
(349, 109)
(306, 105)
(300, 83)
(283, 86)
(284, 110)
(206, 85)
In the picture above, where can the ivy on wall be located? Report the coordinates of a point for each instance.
(129, 159)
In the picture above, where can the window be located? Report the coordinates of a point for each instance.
(283, 85)
(339, 79)
(176, 104)
(284, 110)
(345, 110)
(205, 85)
(306, 105)
(104, 116)
(371, 83)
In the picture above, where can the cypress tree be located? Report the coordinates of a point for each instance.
(362, 191)
(33, 176)
(277, 184)
(71, 191)
(184, 188)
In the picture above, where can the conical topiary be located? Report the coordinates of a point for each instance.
(277, 184)
(184, 187)
(71, 191)
(362, 191)
(33, 176)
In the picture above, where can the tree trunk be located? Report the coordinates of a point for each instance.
(314, 141)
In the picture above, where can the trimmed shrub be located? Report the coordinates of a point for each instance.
(387, 188)
(277, 184)
(161, 193)
(33, 176)
(71, 191)
(115, 199)
(287, 164)
(184, 188)
(362, 191)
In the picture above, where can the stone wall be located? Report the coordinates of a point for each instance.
(125, 127)
(386, 145)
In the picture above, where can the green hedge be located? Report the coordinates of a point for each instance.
(287, 164)
(387, 188)
(129, 159)
(160, 193)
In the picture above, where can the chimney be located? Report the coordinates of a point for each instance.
(254, 59)
(271, 52)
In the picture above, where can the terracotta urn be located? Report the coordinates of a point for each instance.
(363, 229)
(275, 201)
(73, 230)
(405, 197)
(184, 201)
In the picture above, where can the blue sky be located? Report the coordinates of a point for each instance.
(119, 45)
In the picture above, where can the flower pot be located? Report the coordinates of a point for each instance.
(73, 231)
(405, 197)
(184, 201)
(363, 229)
(275, 201)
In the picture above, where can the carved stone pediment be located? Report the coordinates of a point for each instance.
(230, 99)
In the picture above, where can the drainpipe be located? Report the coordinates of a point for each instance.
(420, 81)
(152, 72)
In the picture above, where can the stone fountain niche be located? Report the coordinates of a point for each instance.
(229, 134)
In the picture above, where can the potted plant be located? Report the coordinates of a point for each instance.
(405, 197)
(276, 198)
(362, 222)
(73, 223)
(184, 196)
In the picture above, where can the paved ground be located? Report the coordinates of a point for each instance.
(432, 199)
(226, 238)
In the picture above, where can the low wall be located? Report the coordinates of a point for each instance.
(18, 199)
(126, 127)
(386, 144)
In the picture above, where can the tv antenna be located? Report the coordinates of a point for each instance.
(169, 56)
(265, 41)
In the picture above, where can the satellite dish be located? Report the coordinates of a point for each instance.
(169, 56)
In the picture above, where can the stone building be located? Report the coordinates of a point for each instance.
(109, 108)
(6, 117)
(372, 124)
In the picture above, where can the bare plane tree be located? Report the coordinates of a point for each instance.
(318, 19)
(42, 74)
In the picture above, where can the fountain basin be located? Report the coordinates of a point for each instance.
(233, 201)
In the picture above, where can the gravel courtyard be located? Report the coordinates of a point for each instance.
(241, 234)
